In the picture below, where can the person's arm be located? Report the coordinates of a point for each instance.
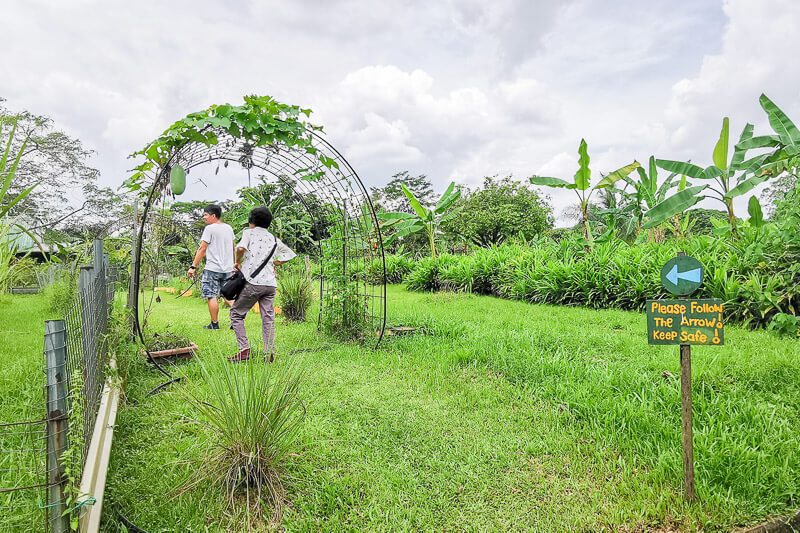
(285, 252)
(238, 255)
(201, 253)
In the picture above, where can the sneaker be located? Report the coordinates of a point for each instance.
(213, 325)
(243, 355)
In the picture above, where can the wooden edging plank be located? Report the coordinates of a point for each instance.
(93, 481)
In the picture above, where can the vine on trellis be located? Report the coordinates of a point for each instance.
(260, 121)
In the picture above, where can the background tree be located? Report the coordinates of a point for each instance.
(56, 164)
(502, 208)
(391, 197)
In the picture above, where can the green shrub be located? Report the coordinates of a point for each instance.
(23, 272)
(425, 276)
(254, 415)
(62, 293)
(785, 325)
(623, 276)
(295, 295)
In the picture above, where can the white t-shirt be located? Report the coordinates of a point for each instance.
(259, 242)
(219, 254)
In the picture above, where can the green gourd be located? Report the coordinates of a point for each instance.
(177, 179)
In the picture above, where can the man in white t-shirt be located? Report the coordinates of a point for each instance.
(216, 245)
(257, 246)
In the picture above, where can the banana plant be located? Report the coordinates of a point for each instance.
(657, 206)
(582, 184)
(422, 219)
(729, 178)
(785, 155)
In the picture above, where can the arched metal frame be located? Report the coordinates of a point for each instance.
(337, 198)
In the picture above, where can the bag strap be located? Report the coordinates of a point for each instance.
(257, 271)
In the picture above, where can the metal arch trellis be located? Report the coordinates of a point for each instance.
(337, 202)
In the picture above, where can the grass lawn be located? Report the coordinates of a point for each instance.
(21, 388)
(497, 415)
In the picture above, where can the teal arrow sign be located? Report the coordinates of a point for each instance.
(682, 275)
(695, 275)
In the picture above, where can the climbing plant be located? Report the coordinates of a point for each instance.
(260, 121)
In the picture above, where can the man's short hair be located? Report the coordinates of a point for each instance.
(260, 217)
(213, 209)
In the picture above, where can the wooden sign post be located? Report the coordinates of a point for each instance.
(685, 322)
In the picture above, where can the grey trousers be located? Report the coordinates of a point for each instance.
(265, 296)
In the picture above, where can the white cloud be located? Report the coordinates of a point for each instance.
(455, 89)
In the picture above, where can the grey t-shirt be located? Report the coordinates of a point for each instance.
(219, 254)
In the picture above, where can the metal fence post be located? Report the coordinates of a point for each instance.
(55, 344)
(132, 295)
(88, 320)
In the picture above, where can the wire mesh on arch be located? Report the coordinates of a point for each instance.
(352, 280)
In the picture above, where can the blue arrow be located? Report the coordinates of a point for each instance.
(689, 275)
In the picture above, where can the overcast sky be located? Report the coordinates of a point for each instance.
(453, 89)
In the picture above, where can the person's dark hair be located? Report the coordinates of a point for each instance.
(213, 209)
(260, 217)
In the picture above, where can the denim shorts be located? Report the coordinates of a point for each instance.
(212, 282)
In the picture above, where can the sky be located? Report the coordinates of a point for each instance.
(455, 90)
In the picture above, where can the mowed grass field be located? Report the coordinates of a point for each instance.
(494, 415)
(22, 381)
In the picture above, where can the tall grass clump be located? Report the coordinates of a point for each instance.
(295, 295)
(254, 415)
(397, 267)
(62, 292)
(426, 275)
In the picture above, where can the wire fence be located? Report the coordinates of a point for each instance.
(42, 457)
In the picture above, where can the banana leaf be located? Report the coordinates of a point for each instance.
(712, 172)
(746, 186)
(783, 126)
(681, 167)
(677, 203)
(617, 175)
(763, 141)
(756, 214)
(550, 182)
(452, 214)
(583, 175)
(721, 149)
(738, 153)
(447, 199)
(415, 205)
(394, 216)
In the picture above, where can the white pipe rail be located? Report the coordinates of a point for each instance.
(93, 482)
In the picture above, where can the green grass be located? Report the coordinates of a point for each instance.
(502, 415)
(21, 388)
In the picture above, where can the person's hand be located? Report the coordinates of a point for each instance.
(237, 266)
(190, 273)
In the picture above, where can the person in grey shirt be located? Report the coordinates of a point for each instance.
(216, 245)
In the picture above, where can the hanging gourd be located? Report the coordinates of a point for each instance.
(177, 179)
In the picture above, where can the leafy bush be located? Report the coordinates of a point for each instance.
(295, 295)
(62, 292)
(784, 324)
(615, 274)
(426, 275)
(254, 414)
